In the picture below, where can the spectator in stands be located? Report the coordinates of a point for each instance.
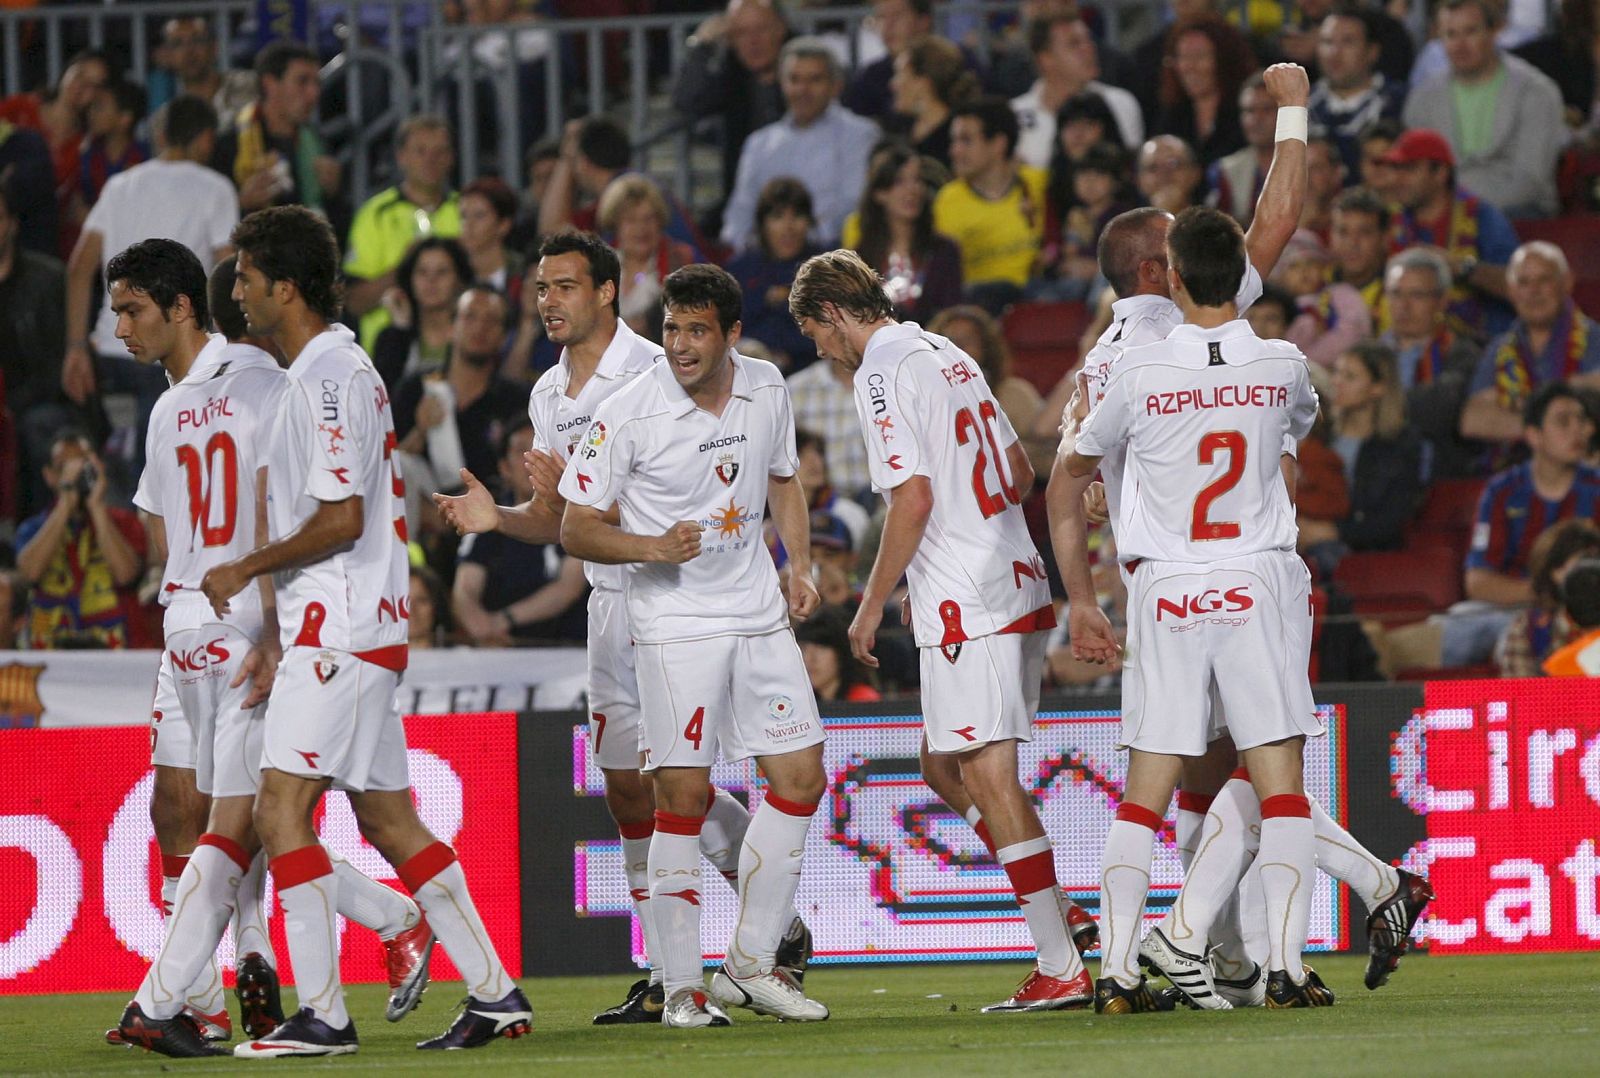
(823, 399)
(1351, 94)
(634, 216)
(186, 63)
(60, 116)
(994, 209)
(1321, 491)
(899, 23)
(835, 673)
(455, 418)
(1475, 236)
(488, 211)
(272, 151)
(1359, 241)
(110, 145)
(1436, 363)
(1064, 51)
(540, 164)
(783, 225)
(1168, 174)
(1377, 172)
(1580, 603)
(1502, 117)
(1068, 266)
(176, 197)
(1150, 57)
(1083, 122)
(422, 306)
(81, 558)
(32, 295)
(1301, 38)
(930, 79)
(1567, 56)
(1382, 457)
(1544, 628)
(1332, 317)
(811, 453)
(1324, 181)
(1269, 316)
(508, 593)
(731, 71)
(1518, 505)
(819, 142)
(1205, 65)
(420, 205)
(975, 332)
(1236, 179)
(1551, 341)
(25, 167)
(428, 626)
(895, 235)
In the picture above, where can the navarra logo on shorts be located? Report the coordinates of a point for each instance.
(727, 469)
(1212, 601)
(597, 435)
(325, 667)
(780, 707)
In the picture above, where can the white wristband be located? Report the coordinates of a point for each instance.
(1291, 123)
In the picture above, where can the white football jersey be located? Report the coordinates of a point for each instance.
(661, 459)
(208, 435)
(1203, 416)
(560, 421)
(336, 439)
(926, 410)
(1135, 321)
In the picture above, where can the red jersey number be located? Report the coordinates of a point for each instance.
(204, 471)
(1201, 527)
(967, 430)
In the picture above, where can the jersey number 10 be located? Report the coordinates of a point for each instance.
(204, 470)
(967, 429)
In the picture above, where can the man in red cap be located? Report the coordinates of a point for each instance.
(1476, 237)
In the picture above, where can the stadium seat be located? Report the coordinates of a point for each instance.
(1044, 340)
(1446, 517)
(1421, 581)
(1578, 236)
(1586, 292)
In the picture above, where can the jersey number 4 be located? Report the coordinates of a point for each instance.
(1201, 527)
(967, 430)
(205, 470)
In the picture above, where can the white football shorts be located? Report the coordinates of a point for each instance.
(171, 738)
(981, 690)
(227, 738)
(615, 736)
(332, 715)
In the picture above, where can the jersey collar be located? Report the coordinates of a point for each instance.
(681, 404)
(1187, 332)
(1127, 308)
(888, 335)
(613, 360)
(219, 352)
(334, 336)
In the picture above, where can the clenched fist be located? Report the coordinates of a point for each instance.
(1288, 84)
(679, 543)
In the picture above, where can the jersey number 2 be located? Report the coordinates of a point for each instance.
(967, 429)
(1201, 528)
(204, 469)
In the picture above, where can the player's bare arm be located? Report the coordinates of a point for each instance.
(332, 527)
(474, 511)
(587, 535)
(1093, 639)
(1284, 192)
(787, 500)
(903, 528)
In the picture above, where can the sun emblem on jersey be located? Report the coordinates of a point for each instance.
(729, 522)
(335, 436)
(885, 425)
(597, 435)
(727, 469)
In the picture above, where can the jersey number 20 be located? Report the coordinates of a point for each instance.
(217, 463)
(967, 429)
(1201, 528)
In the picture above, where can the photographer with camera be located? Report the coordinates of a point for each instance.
(81, 557)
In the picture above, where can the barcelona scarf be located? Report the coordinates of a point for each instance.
(1513, 360)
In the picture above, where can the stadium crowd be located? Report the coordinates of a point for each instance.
(1448, 253)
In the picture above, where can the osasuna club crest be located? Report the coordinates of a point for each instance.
(727, 469)
(952, 652)
(324, 667)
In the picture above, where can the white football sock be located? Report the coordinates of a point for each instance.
(371, 904)
(1124, 885)
(201, 904)
(308, 892)
(722, 834)
(769, 873)
(1288, 870)
(1192, 809)
(636, 867)
(1224, 850)
(1346, 860)
(1031, 867)
(675, 900)
(440, 888)
(250, 934)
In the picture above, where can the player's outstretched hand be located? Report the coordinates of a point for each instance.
(259, 667)
(544, 472)
(864, 633)
(1093, 639)
(803, 597)
(1288, 84)
(679, 543)
(471, 512)
(222, 583)
(1095, 510)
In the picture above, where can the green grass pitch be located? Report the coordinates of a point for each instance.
(1504, 1016)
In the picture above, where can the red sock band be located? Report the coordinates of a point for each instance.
(678, 825)
(234, 851)
(1292, 805)
(1138, 814)
(637, 830)
(1199, 804)
(172, 864)
(987, 839)
(1036, 872)
(792, 808)
(300, 866)
(424, 865)
(711, 798)
(1241, 773)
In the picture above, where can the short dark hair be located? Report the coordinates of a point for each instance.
(782, 193)
(163, 269)
(73, 436)
(275, 59)
(293, 244)
(1039, 29)
(805, 438)
(1580, 593)
(699, 286)
(604, 265)
(228, 315)
(1493, 13)
(128, 96)
(450, 248)
(1387, 129)
(514, 428)
(1538, 405)
(1369, 22)
(1273, 296)
(605, 143)
(1124, 244)
(547, 150)
(1364, 200)
(185, 118)
(497, 193)
(996, 117)
(1206, 248)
